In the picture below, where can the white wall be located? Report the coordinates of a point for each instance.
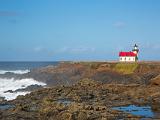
(127, 59)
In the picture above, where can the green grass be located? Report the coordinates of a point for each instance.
(126, 68)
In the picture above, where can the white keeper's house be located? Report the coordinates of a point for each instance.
(131, 56)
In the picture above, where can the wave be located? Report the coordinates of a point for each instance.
(14, 84)
(14, 71)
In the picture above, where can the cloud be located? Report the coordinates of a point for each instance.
(8, 13)
(39, 49)
(43, 50)
(77, 50)
(119, 24)
(151, 46)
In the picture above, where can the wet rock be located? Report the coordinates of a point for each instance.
(2, 99)
(156, 104)
(9, 91)
(155, 107)
(29, 88)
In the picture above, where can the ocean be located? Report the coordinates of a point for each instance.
(8, 86)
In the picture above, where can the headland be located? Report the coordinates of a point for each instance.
(89, 91)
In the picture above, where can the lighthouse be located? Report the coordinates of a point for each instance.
(135, 51)
(131, 56)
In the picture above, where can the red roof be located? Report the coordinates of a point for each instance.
(128, 54)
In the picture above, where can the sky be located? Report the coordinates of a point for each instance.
(53, 30)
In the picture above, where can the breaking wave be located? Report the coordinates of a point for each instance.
(14, 71)
(14, 84)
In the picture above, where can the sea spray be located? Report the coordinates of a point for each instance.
(14, 71)
(14, 84)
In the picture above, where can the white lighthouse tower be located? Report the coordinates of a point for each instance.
(135, 51)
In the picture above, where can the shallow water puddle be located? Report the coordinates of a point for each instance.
(64, 101)
(136, 110)
(6, 106)
(144, 111)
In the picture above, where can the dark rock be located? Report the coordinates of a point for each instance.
(2, 99)
(29, 88)
(10, 91)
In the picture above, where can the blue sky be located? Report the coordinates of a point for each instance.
(49, 30)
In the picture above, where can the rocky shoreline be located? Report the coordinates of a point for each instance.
(88, 91)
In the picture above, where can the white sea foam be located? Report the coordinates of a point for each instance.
(14, 71)
(12, 84)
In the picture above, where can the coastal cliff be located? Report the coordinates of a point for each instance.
(70, 73)
(88, 91)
